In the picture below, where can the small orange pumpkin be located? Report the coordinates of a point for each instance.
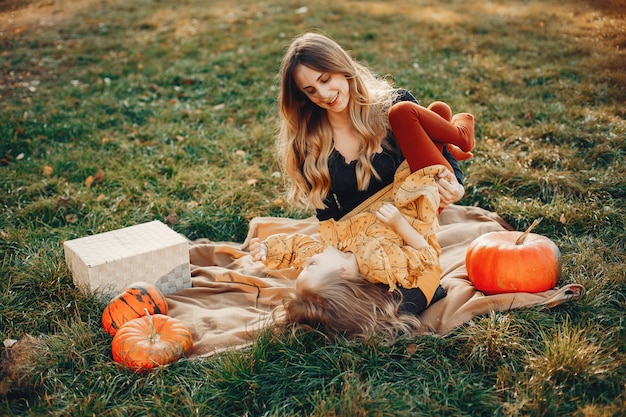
(510, 261)
(152, 340)
(130, 304)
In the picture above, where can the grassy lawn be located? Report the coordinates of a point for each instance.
(114, 113)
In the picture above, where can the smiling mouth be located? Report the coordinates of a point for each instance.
(334, 100)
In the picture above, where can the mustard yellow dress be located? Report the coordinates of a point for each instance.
(382, 255)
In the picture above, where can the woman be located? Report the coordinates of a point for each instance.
(344, 133)
(335, 141)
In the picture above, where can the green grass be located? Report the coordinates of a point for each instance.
(171, 106)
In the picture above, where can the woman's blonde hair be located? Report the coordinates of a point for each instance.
(305, 141)
(351, 307)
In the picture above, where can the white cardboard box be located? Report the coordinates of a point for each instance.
(109, 261)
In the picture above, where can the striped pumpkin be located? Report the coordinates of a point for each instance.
(130, 304)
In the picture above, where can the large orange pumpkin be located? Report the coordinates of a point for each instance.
(130, 304)
(510, 261)
(150, 341)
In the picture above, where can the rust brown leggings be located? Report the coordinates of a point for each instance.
(421, 132)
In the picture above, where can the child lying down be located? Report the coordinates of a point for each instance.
(369, 273)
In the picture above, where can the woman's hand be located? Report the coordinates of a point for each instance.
(258, 250)
(450, 190)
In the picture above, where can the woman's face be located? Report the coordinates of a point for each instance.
(329, 91)
(330, 263)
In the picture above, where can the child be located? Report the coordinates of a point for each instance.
(341, 128)
(393, 245)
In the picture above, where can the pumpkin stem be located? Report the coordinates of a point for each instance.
(520, 240)
(152, 336)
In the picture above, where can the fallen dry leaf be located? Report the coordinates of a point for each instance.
(20, 357)
(48, 170)
(99, 176)
(90, 180)
(252, 181)
(171, 219)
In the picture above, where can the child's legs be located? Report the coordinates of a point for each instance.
(418, 147)
(442, 109)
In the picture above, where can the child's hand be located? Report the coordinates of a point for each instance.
(389, 215)
(258, 250)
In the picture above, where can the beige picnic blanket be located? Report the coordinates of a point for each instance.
(232, 297)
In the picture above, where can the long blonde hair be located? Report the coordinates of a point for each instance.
(304, 141)
(351, 307)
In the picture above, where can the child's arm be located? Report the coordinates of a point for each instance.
(258, 250)
(284, 250)
(391, 216)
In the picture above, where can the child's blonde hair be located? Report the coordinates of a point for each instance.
(350, 307)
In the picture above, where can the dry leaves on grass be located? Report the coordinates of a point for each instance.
(92, 179)
(17, 365)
